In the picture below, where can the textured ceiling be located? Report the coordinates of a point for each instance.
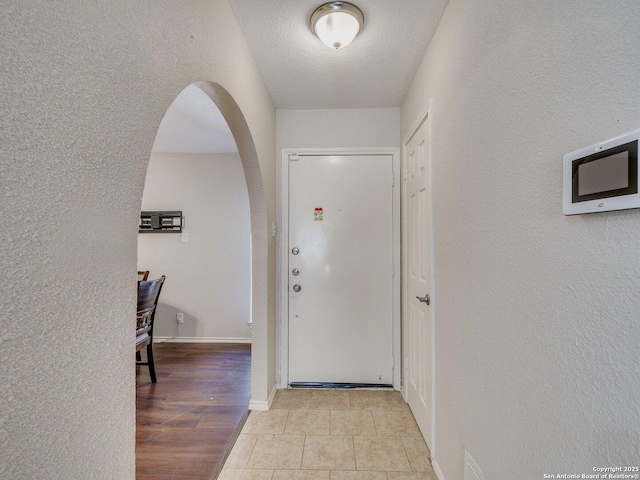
(193, 124)
(374, 71)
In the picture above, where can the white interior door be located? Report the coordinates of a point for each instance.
(341, 258)
(418, 315)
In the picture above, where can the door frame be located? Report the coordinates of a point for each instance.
(426, 115)
(394, 152)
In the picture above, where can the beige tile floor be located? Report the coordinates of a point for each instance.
(330, 435)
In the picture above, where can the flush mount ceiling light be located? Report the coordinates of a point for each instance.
(337, 23)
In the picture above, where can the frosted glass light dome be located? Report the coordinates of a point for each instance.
(337, 23)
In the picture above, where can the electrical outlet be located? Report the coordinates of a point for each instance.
(180, 317)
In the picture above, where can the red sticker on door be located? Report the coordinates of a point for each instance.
(318, 214)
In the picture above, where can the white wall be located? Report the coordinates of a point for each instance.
(537, 358)
(345, 128)
(209, 277)
(84, 88)
(194, 124)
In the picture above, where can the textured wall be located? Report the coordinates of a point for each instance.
(537, 334)
(83, 90)
(208, 277)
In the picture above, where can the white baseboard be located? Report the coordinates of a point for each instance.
(258, 405)
(201, 340)
(436, 469)
(261, 405)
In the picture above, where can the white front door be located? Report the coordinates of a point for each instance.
(418, 321)
(340, 257)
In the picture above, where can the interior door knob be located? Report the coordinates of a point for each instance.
(426, 299)
(297, 288)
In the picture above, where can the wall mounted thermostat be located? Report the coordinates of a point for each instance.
(602, 177)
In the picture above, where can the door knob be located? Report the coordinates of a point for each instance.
(295, 250)
(426, 299)
(297, 288)
(295, 272)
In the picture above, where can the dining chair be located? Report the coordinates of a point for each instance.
(148, 295)
(143, 275)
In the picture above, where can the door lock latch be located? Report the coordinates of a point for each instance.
(426, 299)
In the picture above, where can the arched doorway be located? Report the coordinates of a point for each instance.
(255, 258)
(195, 169)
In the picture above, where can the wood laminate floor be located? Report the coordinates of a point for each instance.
(187, 421)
